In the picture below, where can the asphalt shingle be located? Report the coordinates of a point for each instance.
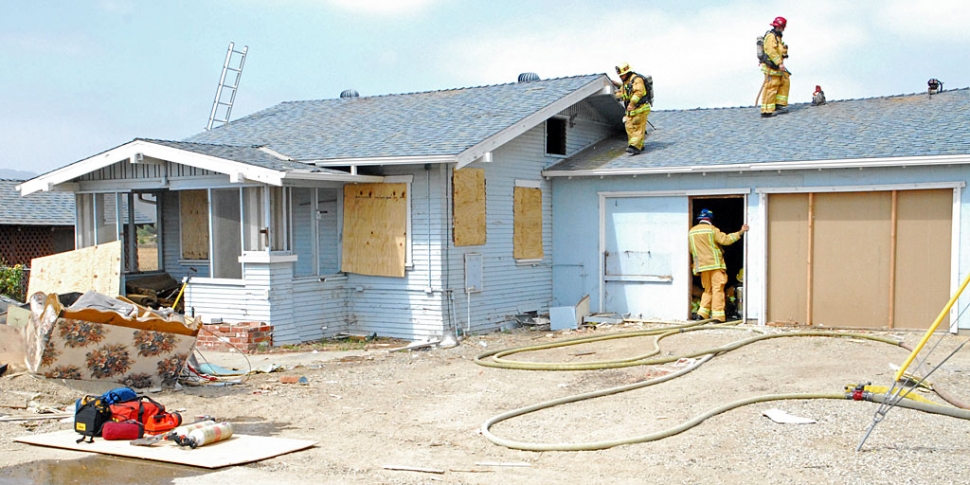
(37, 209)
(399, 125)
(890, 126)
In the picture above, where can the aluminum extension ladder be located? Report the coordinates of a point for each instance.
(217, 103)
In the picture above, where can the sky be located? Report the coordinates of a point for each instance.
(78, 77)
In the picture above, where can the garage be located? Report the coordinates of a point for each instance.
(859, 259)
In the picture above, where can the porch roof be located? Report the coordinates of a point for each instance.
(913, 129)
(455, 125)
(50, 209)
(240, 163)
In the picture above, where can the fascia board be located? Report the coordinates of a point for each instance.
(860, 163)
(411, 160)
(328, 177)
(491, 143)
(232, 168)
(213, 164)
(47, 181)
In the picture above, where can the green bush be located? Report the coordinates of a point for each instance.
(12, 281)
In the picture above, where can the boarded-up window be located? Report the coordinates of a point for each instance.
(469, 196)
(375, 229)
(194, 223)
(527, 228)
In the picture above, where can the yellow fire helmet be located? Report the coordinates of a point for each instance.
(741, 275)
(622, 69)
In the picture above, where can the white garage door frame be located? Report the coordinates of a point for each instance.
(604, 198)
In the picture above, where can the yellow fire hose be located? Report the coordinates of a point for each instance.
(495, 359)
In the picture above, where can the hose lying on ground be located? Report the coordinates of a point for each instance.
(494, 359)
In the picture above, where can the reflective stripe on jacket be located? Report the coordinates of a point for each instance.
(635, 91)
(705, 246)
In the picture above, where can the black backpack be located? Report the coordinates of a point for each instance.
(90, 414)
(648, 84)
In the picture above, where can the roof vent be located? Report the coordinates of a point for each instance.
(528, 77)
(349, 93)
(934, 86)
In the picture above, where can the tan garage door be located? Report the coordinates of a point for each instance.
(859, 259)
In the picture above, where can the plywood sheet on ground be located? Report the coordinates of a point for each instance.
(237, 450)
(95, 268)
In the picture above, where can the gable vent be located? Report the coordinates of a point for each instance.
(528, 77)
(349, 93)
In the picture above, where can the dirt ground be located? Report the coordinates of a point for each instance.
(371, 409)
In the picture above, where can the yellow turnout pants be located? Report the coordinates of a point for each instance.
(712, 301)
(636, 127)
(776, 91)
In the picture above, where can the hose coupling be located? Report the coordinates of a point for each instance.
(858, 393)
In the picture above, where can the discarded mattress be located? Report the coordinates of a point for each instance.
(100, 338)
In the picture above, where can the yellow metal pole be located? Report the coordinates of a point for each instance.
(929, 332)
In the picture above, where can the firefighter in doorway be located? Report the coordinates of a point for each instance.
(708, 261)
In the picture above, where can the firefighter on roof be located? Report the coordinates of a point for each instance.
(777, 78)
(633, 93)
(705, 250)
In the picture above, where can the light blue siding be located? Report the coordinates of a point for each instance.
(576, 216)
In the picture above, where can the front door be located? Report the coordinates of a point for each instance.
(645, 266)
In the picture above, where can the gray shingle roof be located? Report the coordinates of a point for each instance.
(37, 209)
(890, 126)
(400, 125)
(249, 155)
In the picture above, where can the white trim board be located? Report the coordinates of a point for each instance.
(861, 188)
(669, 193)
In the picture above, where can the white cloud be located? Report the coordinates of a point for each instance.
(937, 20)
(382, 7)
(704, 58)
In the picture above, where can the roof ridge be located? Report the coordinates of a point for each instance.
(828, 101)
(434, 91)
(152, 140)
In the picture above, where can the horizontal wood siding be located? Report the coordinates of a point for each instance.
(401, 307)
(508, 287)
(318, 304)
(231, 303)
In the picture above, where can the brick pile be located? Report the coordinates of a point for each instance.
(242, 337)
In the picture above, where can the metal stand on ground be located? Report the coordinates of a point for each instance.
(892, 395)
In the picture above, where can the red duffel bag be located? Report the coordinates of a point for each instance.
(150, 413)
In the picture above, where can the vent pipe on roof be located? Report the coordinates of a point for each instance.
(349, 93)
(528, 77)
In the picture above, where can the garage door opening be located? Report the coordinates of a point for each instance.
(729, 215)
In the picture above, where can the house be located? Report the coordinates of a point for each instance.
(33, 226)
(856, 210)
(409, 216)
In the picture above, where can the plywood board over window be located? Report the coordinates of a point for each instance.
(375, 229)
(194, 223)
(469, 197)
(527, 227)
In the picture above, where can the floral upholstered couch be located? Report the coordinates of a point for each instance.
(101, 338)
